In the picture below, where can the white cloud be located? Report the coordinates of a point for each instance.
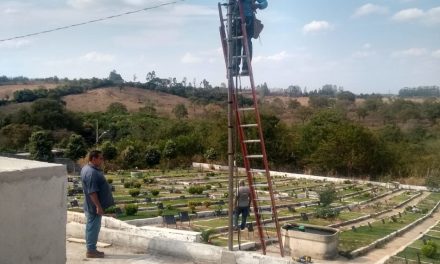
(363, 54)
(10, 11)
(366, 46)
(369, 9)
(316, 26)
(81, 4)
(97, 57)
(280, 56)
(408, 14)
(189, 58)
(429, 17)
(436, 54)
(412, 52)
(15, 44)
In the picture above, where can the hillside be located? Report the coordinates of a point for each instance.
(7, 91)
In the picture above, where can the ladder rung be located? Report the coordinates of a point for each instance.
(257, 170)
(239, 56)
(271, 239)
(245, 92)
(261, 185)
(265, 212)
(252, 141)
(263, 199)
(254, 156)
(249, 125)
(238, 37)
(246, 109)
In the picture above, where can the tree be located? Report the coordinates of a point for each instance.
(152, 156)
(14, 136)
(109, 151)
(211, 154)
(117, 108)
(40, 146)
(129, 157)
(170, 150)
(180, 111)
(115, 77)
(76, 148)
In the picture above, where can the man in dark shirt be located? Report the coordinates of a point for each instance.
(98, 197)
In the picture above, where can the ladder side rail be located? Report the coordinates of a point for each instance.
(222, 30)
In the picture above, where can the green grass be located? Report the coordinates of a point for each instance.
(350, 240)
(411, 254)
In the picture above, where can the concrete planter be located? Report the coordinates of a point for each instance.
(316, 241)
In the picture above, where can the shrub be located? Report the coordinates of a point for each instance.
(326, 213)
(137, 185)
(110, 180)
(347, 181)
(207, 203)
(327, 196)
(131, 209)
(196, 189)
(127, 184)
(208, 186)
(430, 249)
(134, 192)
(110, 210)
(206, 234)
(169, 207)
(155, 192)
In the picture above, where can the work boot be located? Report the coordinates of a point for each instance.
(94, 254)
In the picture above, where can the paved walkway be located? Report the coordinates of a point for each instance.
(115, 255)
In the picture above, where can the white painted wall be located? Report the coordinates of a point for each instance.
(32, 212)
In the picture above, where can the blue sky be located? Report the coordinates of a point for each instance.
(363, 46)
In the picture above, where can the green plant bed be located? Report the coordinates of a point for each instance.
(218, 222)
(400, 198)
(223, 241)
(139, 215)
(434, 235)
(411, 254)
(429, 202)
(350, 240)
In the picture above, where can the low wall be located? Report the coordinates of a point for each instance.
(33, 212)
(119, 233)
(305, 176)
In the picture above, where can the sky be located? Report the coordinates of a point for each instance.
(363, 46)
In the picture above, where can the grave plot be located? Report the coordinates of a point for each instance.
(423, 250)
(363, 236)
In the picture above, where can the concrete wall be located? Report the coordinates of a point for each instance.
(33, 212)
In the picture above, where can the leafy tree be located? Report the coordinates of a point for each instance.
(129, 157)
(346, 96)
(180, 111)
(76, 148)
(152, 156)
(115, 77)
(211, 154)
(40, 146)
(169, 151)
(319, 101)
(14, 136)
(117, 108)
(109, 151)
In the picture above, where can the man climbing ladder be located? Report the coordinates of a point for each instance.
(249, 9)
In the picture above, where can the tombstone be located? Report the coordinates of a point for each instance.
(353, 228)
(184, 217)
(383, 221)
(291, 208)
(304, 217)
(370, 226)
(169, 220)
(74, 203)
(393, 218)
(113, 187)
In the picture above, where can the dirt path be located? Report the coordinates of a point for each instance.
(389, 214)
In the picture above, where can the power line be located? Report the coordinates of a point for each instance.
(91, 21)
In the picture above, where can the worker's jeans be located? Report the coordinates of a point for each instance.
(244, 211)
(93, 226)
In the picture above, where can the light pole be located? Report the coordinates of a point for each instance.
(98, 136)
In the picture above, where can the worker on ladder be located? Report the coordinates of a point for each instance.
(249, 9)
(243, 203)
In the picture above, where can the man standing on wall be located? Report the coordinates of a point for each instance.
(98, 197)
(243, 202)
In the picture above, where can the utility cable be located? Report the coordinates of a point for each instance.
(91, 21)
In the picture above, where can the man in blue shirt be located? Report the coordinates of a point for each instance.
(249, 8)
(97, 197)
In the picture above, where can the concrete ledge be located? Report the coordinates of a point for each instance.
(196, 252)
